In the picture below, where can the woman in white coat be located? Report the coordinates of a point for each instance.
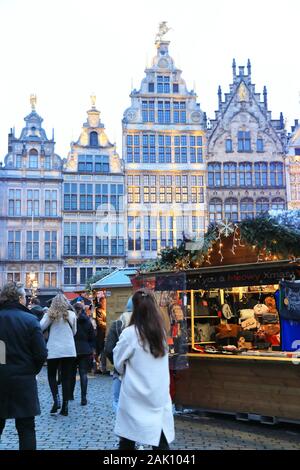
(144, 412)
(61, 348)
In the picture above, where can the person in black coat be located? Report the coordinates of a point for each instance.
(23, 354)
(36, 309)
(84, 341)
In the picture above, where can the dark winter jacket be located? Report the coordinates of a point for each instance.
(38, 312)
(25, 354)
(85, 336)
(112, 338)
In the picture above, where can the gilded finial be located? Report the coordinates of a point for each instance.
(93, 100)
(33, 101)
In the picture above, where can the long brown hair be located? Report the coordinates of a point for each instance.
(148, 321)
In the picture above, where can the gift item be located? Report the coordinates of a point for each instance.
(203, 332)
(226, 311)
(270, 329)
(271, 304)
(246, 313)
(273, 339)
(242, 344)
(202, 308)
(260, 309)
(269, 318)
(227, 331)
(247, 335)
(249, 324)
(176, 312)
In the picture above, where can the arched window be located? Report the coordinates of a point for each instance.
(276, 174)
(214, 174)
(33, 159)
(229, 174)
(215, 210)
(231, 209)
(247, 208)
(245, 170)
(262, 205)
(93, 139)
(278, 204)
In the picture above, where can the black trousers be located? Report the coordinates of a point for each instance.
(82, 362)
(126, 444)
(66, 365)
(26, 431)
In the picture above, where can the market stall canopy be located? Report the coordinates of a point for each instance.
(119, 278)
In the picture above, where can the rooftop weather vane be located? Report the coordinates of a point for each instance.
(162, 30)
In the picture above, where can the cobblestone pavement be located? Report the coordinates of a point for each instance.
(91, 426)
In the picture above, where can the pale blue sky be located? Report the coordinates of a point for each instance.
(63, 50)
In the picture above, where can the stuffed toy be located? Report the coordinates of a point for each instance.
(260, 309)
(271, 304)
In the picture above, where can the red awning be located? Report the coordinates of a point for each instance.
(70, 295)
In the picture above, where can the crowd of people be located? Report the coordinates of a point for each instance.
(68, 337)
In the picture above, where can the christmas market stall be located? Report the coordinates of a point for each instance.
(232, 309)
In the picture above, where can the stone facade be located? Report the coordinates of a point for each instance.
(93, 205)
(30, 209)
(163, 151)
(293, 168)
(246, 153)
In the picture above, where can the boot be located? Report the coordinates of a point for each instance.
(64, 409)
(56, 405)
(83, 401)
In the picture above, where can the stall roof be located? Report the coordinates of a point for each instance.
(119, 278)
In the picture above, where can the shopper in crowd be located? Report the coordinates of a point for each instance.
(84, 340)
(23, 353)
(36, 308)
(100, 339)
(61, 348)
(141, 357)
(113, 336)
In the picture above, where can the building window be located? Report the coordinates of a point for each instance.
(133, 148)
(164, 112)
(245, 172)
(181, 189)
(50, 203)
(164, 149)
(196, 155)
(70, 276)
(262, 205)
(50, 280)
(50, 245)
(180, 145)
(278, 204)
(31, 279)
(151, 87)
(150, 233)
(165, 189)
(148, 111)
(197, 226)
(85, 163)
(197, 189)
(175, 88)
(166, 231)
(86, 197)
(134, 233)
(244, 141)
(14, 202)
(247, 208)
(13, 277)
(86, 238)
(33, 201)
(229, 172)
(297, 151)
(259, 145)
(163, 84)
(228, 145)
(18, 161)
(14, 245)
(117, 239)
(117, 196)
(276, 174)
(85, 275)
(101, 196)
(70, 197)
(149, 189)
(214, 175)
(102, 245)
(231, 209)
(32, 245)
(33, 159)
(261, 174)
(134, 189)
(179, 112)
(101, 164)
(94, 139)
(70, 238)
(149, 155)
(48, 162)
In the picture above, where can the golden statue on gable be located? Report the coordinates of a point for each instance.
(162, 31)
(33, 101)
(243, 95)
